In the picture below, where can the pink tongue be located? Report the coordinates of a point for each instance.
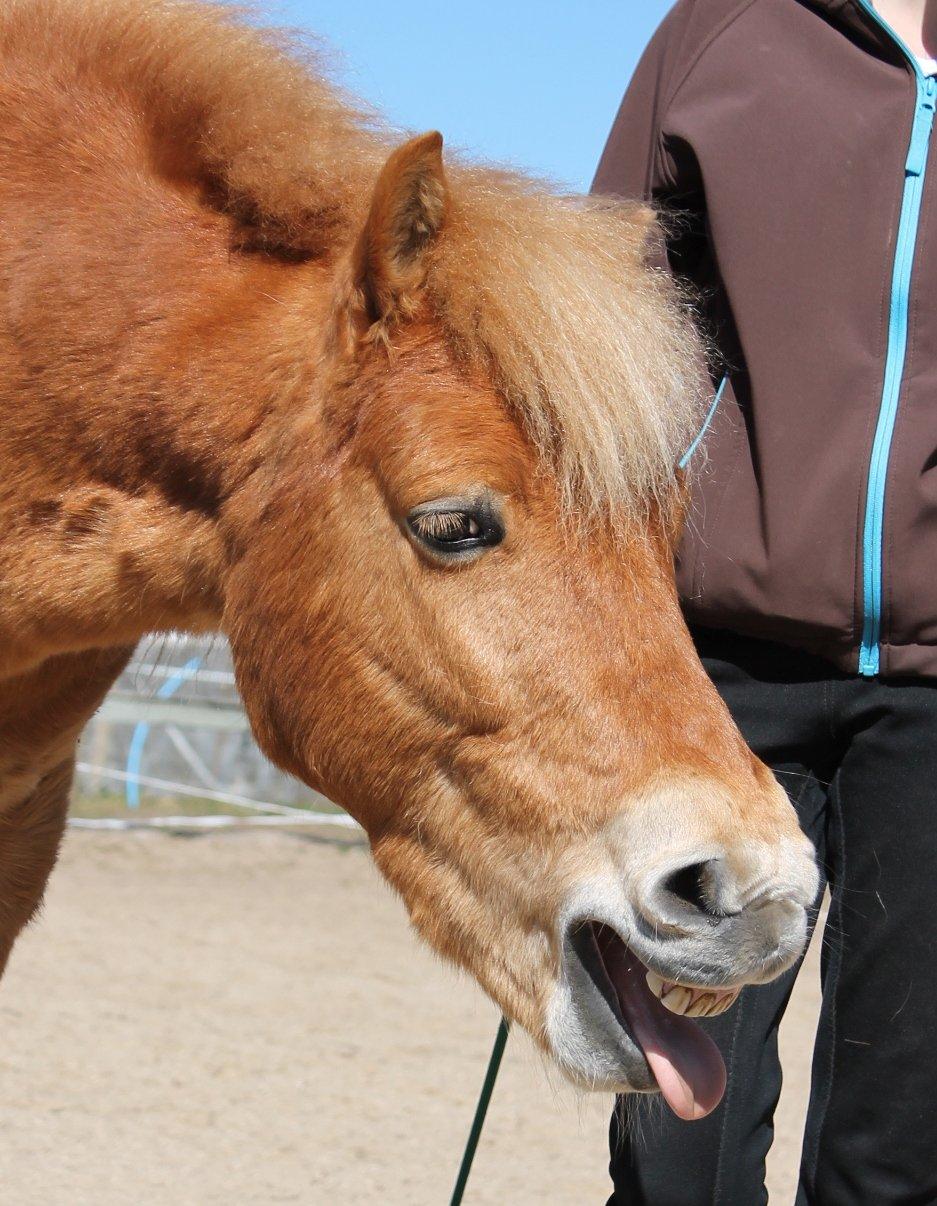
(685, 1061)
(687, 1064)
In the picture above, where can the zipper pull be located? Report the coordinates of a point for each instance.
(921, 129)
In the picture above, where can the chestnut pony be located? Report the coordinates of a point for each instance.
(405, 433)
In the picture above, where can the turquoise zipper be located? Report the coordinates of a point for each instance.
(914, 170)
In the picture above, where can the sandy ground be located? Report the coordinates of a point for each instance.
(245, 1018)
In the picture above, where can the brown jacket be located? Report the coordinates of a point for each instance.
(791, 137)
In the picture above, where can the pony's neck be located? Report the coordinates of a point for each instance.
(146, 372)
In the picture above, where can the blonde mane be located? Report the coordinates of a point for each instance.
(550, 292)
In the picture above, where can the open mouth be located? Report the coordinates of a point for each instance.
(658, 1014)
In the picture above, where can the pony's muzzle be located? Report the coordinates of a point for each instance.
(646, 956)
(720, 920)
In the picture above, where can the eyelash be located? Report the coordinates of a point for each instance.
(438, 525)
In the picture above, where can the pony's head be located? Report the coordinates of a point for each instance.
(453, 611)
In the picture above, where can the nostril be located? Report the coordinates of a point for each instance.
(696, 885)
(714, 913)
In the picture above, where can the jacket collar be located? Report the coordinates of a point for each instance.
(853, 17)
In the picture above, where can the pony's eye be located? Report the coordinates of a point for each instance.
(455, 528)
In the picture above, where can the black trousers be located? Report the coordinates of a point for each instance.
(859, 759)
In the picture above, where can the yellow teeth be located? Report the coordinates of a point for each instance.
(690, 1002)
(655, 983)
(677, 999)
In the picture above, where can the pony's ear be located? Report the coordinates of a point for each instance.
(408, 208)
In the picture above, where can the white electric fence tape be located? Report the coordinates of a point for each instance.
(282, 814)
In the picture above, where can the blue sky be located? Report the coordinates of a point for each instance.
(536, 85)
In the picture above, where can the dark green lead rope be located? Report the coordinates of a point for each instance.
(480, 1111)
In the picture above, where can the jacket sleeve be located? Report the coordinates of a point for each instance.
(643, 160)
(635, 162)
